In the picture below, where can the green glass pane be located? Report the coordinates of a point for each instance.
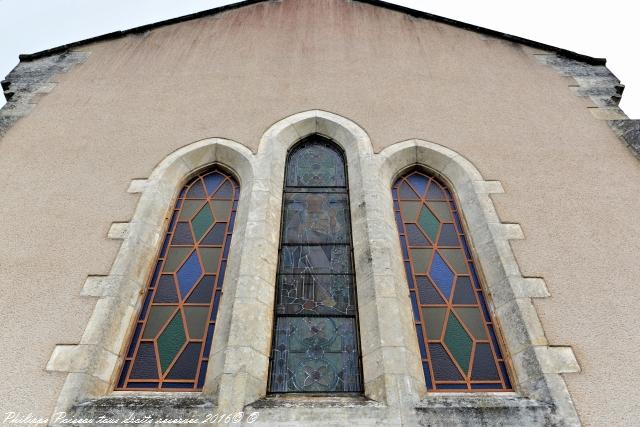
(170, 341)
(158, 316)
(202, 221)
(210, 258)
(189, 208)
(420, 259)
(456, 259)
(221, 209)
(429, 223)
(196, 321)
(433, 321)
(175, 257)
(410, 210)
(458, 342)
(442, 210)
(473, 321)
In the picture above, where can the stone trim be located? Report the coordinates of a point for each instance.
(605, 91)
(535, 365)
(394, 388)
(28, 81)
(94, 363)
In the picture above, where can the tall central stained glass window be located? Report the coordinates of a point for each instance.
(315, 345)
(458, 338)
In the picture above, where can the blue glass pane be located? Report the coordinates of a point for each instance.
(452, 386)
(427, 375)
(484, 367)
(166, 291)
(403, 245)
(207, 343)
(435, 192)
(232, 220)
(143, 385)
(441, 274)
(216, 305)
(399, 222)
(145, 366)
(423, 351)
(177, 385)
(155, 274)
(212, 181)
(189, 274)
(406, 192)
(187, 363)
(416, 316)
(136, 335)
(419, 183)
(485, 386)
(123, 375)
(428, 294)
(407, 267)
(483, 305)
(145, 306)
(203, 292)
(223, 267)
(416, 237)
(227, 243)
(505, 376)
(203, 372)
(196, 191)
(494, 340)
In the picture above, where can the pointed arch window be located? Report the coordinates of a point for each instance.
(458, 339)
(171, 341)
(315, 345)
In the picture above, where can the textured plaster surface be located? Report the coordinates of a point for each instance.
(65, 168)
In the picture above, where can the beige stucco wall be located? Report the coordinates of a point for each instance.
(569, 182)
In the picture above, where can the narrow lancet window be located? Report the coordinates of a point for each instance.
(458, 338)
(315, 345)
(172, 338)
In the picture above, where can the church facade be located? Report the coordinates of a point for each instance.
(318, 212)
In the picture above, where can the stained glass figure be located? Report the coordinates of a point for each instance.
(456, 333)
(171, 342)
(315, 346)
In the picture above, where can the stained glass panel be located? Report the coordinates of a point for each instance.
(315, 347)
(172, 337)
(458, 339)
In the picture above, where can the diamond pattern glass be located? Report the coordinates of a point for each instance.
(315, 345)
(459, 341)
(171, 343)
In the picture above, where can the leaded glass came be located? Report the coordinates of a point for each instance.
(315, 346)
(457, 336)
(171, 341)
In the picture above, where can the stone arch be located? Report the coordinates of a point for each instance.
(93, 364)
(535, 365)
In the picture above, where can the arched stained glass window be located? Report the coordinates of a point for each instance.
(458, 339)
(315, 346)
(172, 338)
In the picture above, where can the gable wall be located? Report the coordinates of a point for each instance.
(64, 168)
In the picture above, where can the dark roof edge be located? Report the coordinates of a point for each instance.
(412, 12)
(137, 30)
(527, 42)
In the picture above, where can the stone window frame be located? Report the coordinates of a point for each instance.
(238, 368)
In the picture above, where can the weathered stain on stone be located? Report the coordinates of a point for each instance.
(629, 132)
(29, 78)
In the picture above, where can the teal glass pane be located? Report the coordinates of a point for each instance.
(314, 354)
(179, 309)
(448, 302)
(315, 164)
